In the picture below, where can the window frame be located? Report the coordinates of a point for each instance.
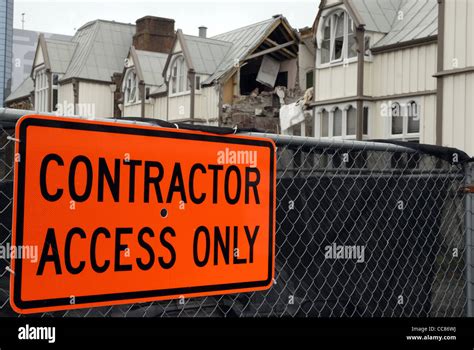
(126, 88)
(345, 112)
(179, 81)
(41, 89)
(332, 20)
(404, 108)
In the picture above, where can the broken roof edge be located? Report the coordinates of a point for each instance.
(275, 22)
(247, 26)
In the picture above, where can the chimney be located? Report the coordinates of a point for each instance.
(202, 32)
(154, 34)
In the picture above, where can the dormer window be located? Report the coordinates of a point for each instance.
(179, 76)
(130, 87)
(338, 42)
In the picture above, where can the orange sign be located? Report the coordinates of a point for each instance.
(125, 213)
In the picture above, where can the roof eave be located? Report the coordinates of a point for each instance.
(406, 44)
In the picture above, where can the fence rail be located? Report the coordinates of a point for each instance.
(364, 229)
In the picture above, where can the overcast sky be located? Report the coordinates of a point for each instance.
(65, 16)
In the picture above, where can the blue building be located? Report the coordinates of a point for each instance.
(6, 47)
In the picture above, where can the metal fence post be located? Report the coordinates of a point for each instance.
(469, 242)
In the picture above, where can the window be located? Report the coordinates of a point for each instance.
(405, 119)
(342, 121)
(338, 44)
(397, 119)
(367, 46)
(366, 121)
(324, 123)
(351, 40)
(309, 79)
(55, 87)
(41, 90)
(130, 88)
(351, 121)
(337, 123)
(413, 118)
(179, 76)
(326, 43)
(198, 82)
(339, 38)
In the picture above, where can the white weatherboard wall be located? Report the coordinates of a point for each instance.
(458, 97)
(336, 82)
(159, 108)
(306, 60)
(132, 110)
(179, 106)
(207, 104)
(66, 96)
(405, 71)
(97, 98)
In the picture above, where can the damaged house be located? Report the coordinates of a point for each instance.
(110, 69)
(226, 79)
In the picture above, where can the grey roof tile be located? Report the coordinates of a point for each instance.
(206, 53)
(101, 49)
(60, 53)
(152, 65)
(23, 90)
(241, 41)
(378, 15)
(420, 20)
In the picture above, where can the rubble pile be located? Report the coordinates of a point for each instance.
(259, 110)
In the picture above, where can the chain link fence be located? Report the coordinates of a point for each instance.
(363, 230)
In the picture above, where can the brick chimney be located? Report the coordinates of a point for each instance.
(154, 34)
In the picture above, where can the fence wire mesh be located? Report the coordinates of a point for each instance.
(361, 232)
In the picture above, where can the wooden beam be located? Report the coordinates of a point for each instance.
(270, 50)
(274, 43)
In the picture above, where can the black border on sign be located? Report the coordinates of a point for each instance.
(125, 129)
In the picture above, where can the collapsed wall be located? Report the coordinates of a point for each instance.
(259, 110)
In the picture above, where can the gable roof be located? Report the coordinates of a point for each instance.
(22, 91)
(377, 15)
(420, 20)
(59, 54)
(206, 53)
(101, 49)
(243, 42)
(151, 65)
(216, 56)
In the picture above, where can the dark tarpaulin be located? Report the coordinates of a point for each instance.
(441, 152)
